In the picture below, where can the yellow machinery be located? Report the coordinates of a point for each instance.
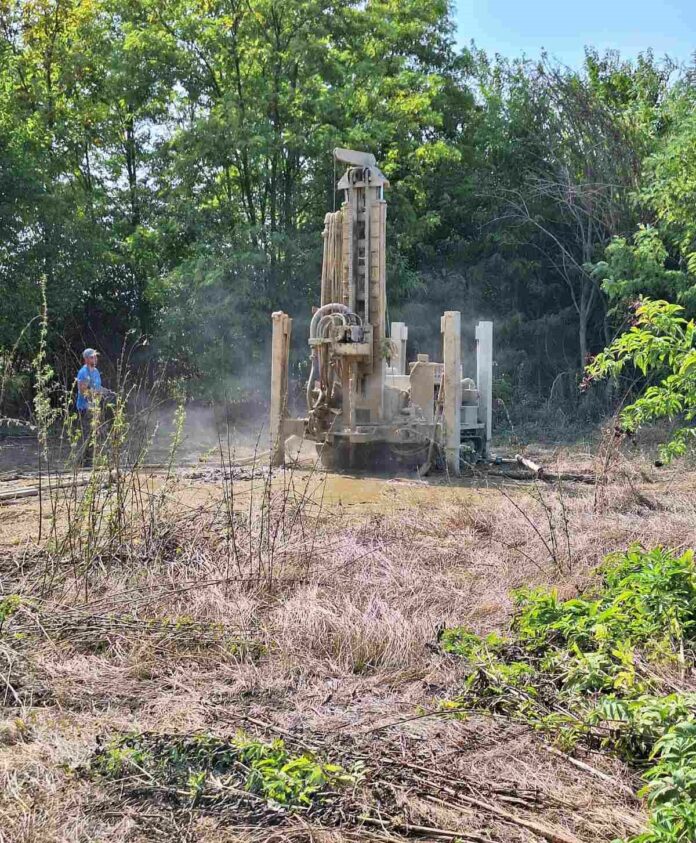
(365, 407)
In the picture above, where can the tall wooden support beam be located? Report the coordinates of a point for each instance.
(451, 328)
(399, 336)
(280, 350)
(484, 379)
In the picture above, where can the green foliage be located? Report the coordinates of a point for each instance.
(662, 344)
(284, 779)
(460, 641)
(671, 788)
(646, 608)
(670, 188)
(202, 767)
(640, 268)
(119, 759)
(166, 165)
(635, 725)
(43, 374)
(645, 597)
(8, 607)
(580, 670)
(660, 731)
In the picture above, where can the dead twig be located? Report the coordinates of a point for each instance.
(407, 828)
(593, 771)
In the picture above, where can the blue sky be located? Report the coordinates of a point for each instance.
(564, 27)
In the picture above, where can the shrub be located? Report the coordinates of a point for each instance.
(204, 766)
(580, 670)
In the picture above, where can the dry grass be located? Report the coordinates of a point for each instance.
(317, 622)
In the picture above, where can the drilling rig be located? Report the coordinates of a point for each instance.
(367, 407)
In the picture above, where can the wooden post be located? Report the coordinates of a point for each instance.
(484, 380)
(280, 349)
(451, 328)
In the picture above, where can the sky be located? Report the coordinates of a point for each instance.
(564, 27)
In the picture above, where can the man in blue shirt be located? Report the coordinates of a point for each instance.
(89, 389)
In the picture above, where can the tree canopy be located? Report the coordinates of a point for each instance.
(166, 166)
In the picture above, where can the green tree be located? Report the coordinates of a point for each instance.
(640, 267)
(670, 190)
(659, 260)
(576, 191)
(66, 78)
(264, 95)
(660, 345)
(166, 165)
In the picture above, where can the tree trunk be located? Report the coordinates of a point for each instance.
(132, 169)
(582, 338)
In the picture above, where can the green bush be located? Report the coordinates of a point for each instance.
(662, 345)
(580, 670)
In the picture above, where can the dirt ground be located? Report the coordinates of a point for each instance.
(334, 589)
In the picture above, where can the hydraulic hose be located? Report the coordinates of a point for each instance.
(312, 378)
(324, 310)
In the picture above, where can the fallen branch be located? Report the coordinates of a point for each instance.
(34, 491)
(439, 713)
(540, 473)
(553, 835)
(581, 765)
(391, 824)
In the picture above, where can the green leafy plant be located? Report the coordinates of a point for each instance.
(8, 606)
(662, 345)
(671, 788)
(640, 267)
(190, 764)
(117, 759)
(634, 726)
(461, 641)
(647, 598)
(580, 671)
(284, 779)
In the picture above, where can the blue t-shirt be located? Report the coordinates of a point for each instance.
(93, 379)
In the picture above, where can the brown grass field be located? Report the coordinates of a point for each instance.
(305, 607)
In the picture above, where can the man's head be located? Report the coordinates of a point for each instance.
(89, 355)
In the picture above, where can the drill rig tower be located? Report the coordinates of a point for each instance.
(365, 407)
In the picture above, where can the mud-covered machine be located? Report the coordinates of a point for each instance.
(366, 407)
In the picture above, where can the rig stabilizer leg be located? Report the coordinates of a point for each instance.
(280, 350)
(451, 327)
(484, 378)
